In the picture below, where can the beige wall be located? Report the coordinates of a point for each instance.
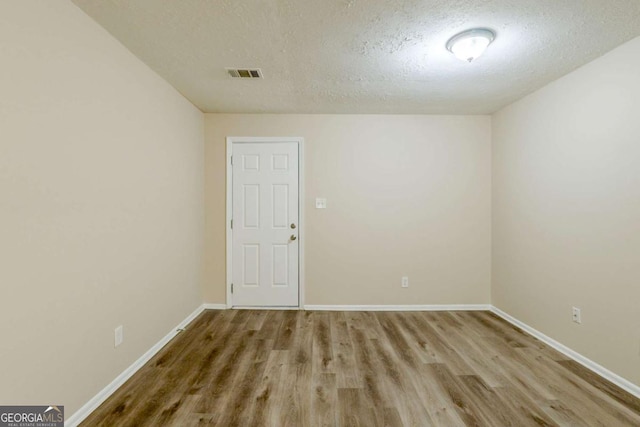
(101, 205)
(566, 210)
(406, 195)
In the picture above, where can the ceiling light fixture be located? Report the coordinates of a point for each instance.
(470, 44)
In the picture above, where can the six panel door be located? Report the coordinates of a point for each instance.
(265, 224)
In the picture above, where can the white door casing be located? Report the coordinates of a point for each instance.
(265, 217)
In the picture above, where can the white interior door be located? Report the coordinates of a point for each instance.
(265, 224)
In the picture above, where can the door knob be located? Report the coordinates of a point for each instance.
(293, 237)
(293, 226)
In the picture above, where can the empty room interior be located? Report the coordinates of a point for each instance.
(330, 213)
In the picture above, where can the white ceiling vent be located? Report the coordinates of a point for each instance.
(245, 73)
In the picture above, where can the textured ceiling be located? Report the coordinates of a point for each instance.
(362, 56)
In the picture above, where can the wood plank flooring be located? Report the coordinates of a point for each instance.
(304, 368)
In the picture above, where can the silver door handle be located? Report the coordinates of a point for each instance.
(293, 237)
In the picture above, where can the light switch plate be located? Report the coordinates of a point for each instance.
(321, 203)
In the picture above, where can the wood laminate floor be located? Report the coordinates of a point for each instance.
(305, 368)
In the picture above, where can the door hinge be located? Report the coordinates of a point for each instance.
(232, 224)
(231, 160)
(232, 288)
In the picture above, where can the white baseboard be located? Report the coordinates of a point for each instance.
(214, 306)
(99, 398)
(439, 307)
(587, 363)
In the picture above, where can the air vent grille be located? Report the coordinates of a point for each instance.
(245, 73)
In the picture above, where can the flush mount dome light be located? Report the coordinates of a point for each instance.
(470, 44)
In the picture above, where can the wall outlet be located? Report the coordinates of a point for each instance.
(577, 316)
(321, 203)
(118, 335)
(405, 282)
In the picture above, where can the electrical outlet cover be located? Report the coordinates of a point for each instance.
(577, 316)
(118, 336)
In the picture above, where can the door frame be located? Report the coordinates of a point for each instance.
(229, 204)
